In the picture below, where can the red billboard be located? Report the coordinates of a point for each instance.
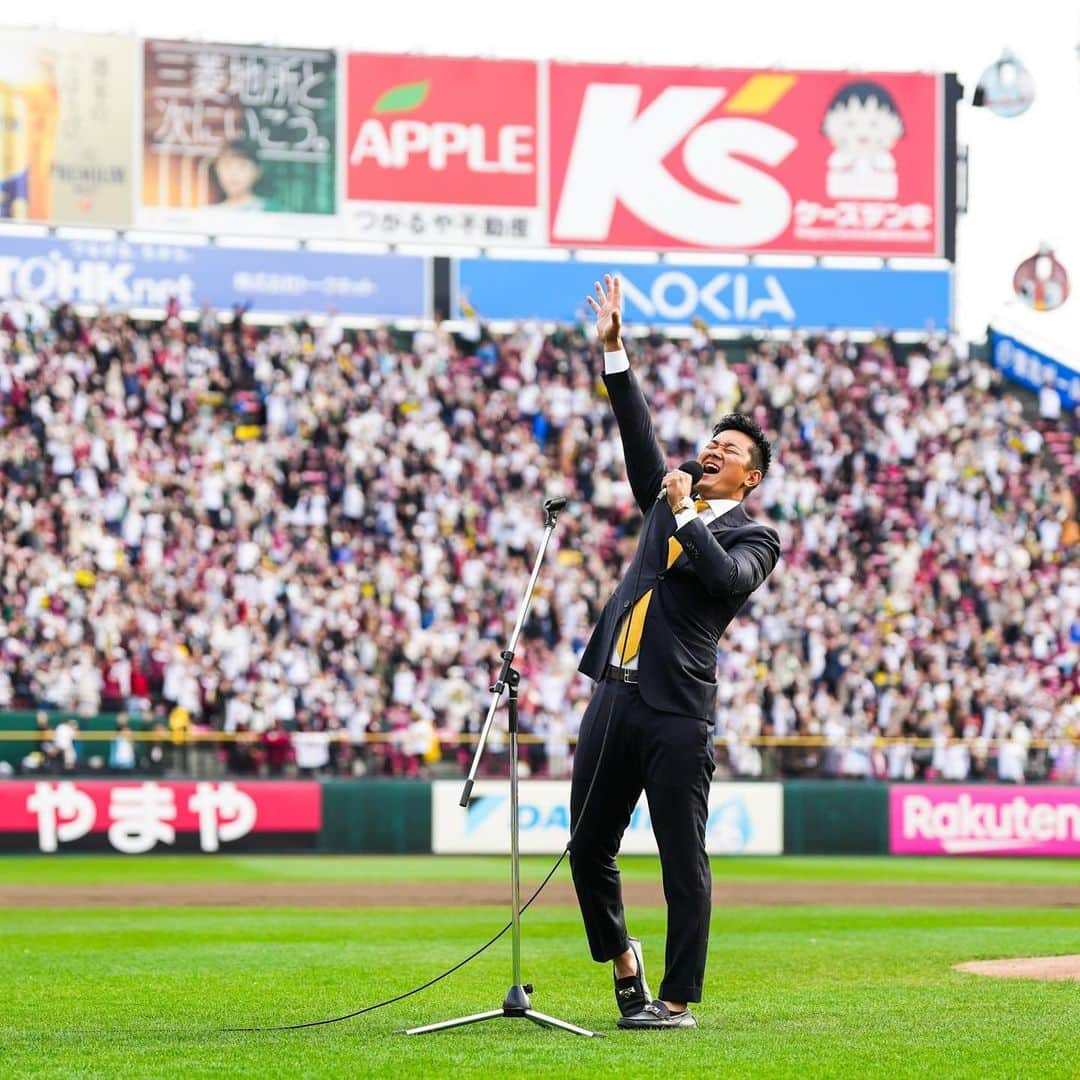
(783, 161)
(441, 148)
(135, 817)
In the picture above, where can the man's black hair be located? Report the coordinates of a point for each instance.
(761, 453)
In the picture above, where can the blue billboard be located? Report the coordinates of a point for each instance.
(741, 298)
(1033, 368)
(125, 274)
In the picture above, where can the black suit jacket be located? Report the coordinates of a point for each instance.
(721, 565)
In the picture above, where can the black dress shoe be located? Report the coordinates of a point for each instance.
(632, 993)
(656, 1016)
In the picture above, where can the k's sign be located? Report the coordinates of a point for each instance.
(745, 298)
(443, 149)
(795, 161)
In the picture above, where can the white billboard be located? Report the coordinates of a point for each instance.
(744, 819)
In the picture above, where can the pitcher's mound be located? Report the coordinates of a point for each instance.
(1026, 967)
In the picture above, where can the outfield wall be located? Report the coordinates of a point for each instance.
(802, 817)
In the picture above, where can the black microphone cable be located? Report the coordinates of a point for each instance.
(540, 888)
(476, 952)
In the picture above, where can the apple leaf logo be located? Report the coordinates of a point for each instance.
(403, 98)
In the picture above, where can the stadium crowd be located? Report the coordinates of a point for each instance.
(316, 539)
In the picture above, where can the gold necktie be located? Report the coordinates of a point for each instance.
(630, 634)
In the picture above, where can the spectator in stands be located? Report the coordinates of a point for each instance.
(68, 747)
(234, 525)
(122, 747)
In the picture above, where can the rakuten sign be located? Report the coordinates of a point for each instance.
(746, 160)
(953, 820)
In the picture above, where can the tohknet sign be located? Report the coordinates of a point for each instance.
(998, 820)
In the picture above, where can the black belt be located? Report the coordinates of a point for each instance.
(620, 674)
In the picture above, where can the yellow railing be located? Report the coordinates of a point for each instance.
(180, 738)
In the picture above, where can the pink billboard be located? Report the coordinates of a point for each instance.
(950, 819)
(135, 817)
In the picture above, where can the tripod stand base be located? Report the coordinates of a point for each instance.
(516, 1007)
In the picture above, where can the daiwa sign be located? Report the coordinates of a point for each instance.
(746, 298)
(744, 819)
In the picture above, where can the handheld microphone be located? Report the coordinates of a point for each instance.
(695, 471)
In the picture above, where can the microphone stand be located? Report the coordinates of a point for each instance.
(516, 1004)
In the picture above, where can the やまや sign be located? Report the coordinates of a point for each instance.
(137, 818)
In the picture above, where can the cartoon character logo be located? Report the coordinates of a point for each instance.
(1041, 281)
(863, 124)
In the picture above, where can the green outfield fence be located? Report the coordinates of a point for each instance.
(53, 812)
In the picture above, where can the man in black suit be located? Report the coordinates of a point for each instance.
(653, 654)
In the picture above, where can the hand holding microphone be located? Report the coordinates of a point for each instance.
(678, 483)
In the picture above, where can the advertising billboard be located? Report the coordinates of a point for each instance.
(952, 819)
(66, 127)
(744, 819)
(747, 160)
(238, 137)
(1032, 368)
(116, 273)
(443, 149)
(746, 298)
(139, 817)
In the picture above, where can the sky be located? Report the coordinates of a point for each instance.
(1024, 172)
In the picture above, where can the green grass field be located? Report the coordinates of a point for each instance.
(792, 991)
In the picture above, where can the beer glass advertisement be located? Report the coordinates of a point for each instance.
(66, 127)
(232, 133)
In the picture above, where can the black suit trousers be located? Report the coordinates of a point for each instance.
(670, 757)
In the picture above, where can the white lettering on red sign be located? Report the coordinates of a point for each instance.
(63, 813)
(392, 146)
(141, 816)
(225, 813)
(750, 208)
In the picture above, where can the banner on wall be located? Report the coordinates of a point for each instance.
(442, 149)
(66, 127)
(238, 137)
(792, 161)
(744, 819)
(746, 298)
(948, 819)
(139, 817)
(121, 274)
(1032, 368)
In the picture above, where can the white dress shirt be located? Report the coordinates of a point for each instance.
(618, 361)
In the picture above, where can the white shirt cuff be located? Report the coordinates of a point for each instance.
(614, 362)
(684, 517)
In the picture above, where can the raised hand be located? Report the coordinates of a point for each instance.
(608, 312)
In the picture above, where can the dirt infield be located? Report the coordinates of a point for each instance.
(472, 894)
(1064, 968)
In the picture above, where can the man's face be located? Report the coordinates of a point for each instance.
(727, 463)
